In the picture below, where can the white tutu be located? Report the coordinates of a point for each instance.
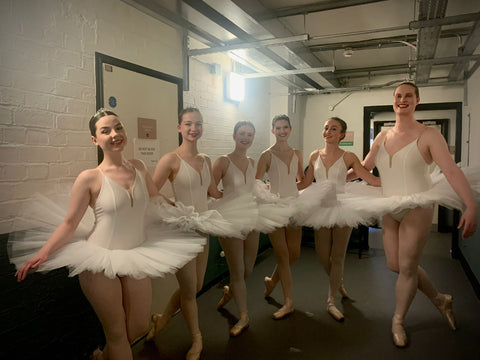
(165, 251)
(273, 212)
(240, 209)
(233, 216)
(363, 204)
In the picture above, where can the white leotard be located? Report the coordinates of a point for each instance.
(283, 177)
(337, 173)
(191, 187)
(235, 180)
(404, 172)
(119, 214)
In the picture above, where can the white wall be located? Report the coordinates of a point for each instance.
(351, 110)
(47, 89)
(472, 117)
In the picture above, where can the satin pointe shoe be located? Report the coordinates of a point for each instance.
(196, 349)
(269, 286)
(157, 323)
(97, 354)
(239, 327)
(398, 333)
(226, 297)
(283, 312)
(334, 312)
(447, 310)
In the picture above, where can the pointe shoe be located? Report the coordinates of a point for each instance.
(269, 286)
(283, 312)
(226, 297)
(399, 335)
(334, 312)
(238, 328)
(196, 349)
(447, 311)
(156, 326)
(97, 354)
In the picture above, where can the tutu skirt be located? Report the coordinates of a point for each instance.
(362, 204)
(164, 251)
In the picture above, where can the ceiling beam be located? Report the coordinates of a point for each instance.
(311, 8)
(289, 72)
(427, 37)
(449, 20)
(468, 48)
(445, 60)
(228, 25)
(248, 45)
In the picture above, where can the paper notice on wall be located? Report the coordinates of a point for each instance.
(147, 150)
(147, 128)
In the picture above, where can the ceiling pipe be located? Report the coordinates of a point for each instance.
(372, 87)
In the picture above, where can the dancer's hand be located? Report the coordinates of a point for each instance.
(31, 263)
(468, 221)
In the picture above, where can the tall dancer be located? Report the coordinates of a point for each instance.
(402, 155)
(237, 173)
(114, 259)
(190, 175)
(284, 167)
(331, 164)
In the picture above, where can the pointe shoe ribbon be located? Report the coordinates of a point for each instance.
(447, 310)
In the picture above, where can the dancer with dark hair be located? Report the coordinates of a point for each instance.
(115, 259)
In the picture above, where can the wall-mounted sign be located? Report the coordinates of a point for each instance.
(147, 128)
(146, 150)
(348, 139)
(112, 101)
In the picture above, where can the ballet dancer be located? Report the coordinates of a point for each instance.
(284, 167)
(190, 174)
(331, 164)
(116, 258)
(402, 155)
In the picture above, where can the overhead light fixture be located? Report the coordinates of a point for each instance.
(348, 52)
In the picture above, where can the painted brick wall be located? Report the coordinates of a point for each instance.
(47, 89)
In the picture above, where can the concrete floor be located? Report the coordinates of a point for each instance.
(310, 333)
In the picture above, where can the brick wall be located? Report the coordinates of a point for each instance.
(47, 89)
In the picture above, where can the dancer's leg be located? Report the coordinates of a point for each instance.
(341, 235)
(233, 249)
(286, 243)
(403, 243)
(323, 246)
(241, 255)
(159, 321)
(187, 280)
(137, 302)
(105, 296)
(272, 281)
